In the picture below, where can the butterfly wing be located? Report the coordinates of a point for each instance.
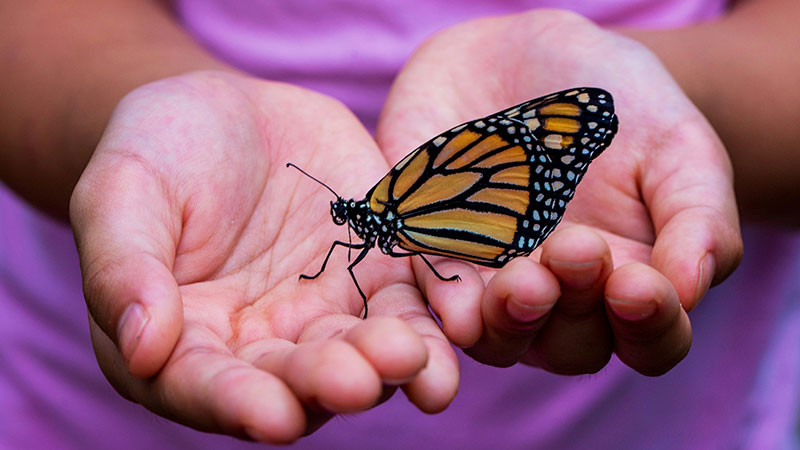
(494, 188)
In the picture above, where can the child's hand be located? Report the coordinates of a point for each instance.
(657, 215)
(192, 234)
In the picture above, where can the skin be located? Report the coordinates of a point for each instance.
(604, 282)
(177, 219)
(177, 210)
(190, 315)
(743, 79)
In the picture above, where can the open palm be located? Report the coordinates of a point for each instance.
(192, 234)
(656, 210)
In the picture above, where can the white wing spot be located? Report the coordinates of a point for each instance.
(553, 141)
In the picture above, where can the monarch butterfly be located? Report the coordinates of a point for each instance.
(485, 191)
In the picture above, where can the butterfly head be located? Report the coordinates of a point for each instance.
(340, 211)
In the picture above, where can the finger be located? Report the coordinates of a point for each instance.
(209, 390)
(652, 332)
(456, 303)
(412, 352)
(328, 375)
(577, 337)
(126, 248)
(697, 248)
(515, 305)
(430, 383)
(341, 363)
(698, 236)
(437, 384)
(391, 346)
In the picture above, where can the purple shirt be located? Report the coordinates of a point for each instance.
(737, 388)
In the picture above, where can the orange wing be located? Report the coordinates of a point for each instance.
(494, 188)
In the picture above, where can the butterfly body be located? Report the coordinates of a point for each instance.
(486, 191)
(371, 227)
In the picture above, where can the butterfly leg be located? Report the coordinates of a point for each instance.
(324, 263)
(438, 275)
(353, 275)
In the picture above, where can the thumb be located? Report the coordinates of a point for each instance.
(699, 240)
(121, 221)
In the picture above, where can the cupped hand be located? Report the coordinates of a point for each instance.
(192, 234)
(652, 225)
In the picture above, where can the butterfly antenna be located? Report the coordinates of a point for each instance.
(309, 176)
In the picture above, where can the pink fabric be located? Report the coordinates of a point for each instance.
(352, 50)
(738, 388)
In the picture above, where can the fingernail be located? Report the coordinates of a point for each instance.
(526, 313)
(632, 311)
(581, 275)
(256, 434)
(706, 269)
(398, 381)
(130, 329)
